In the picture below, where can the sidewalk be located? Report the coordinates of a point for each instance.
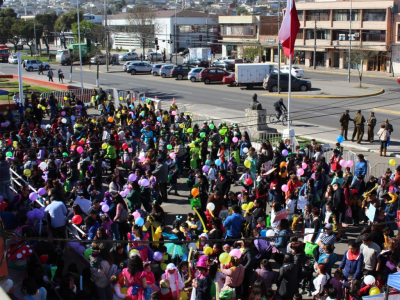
(305, 130)
(333, 90)
(353, 72)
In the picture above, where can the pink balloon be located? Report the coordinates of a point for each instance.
(235, 139)
(130, 150)
(300, 172)
(343, 163)
(304, 165)
(105, 208)
(79, 149)
(123, 195)
(136, 215)
(235, 252)
(285, 188)
(142, 159)
(350, 163)
(127, 191)
(313, 176)
(173, 113)
(172, 155)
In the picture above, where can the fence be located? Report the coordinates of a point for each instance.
(379, 169)
(350, 155)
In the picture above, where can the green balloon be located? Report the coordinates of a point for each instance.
(65, 154)
(190, 130)
(202, 135)
(169, 147)
(222, 131)
(87, 253)
(9, 154)
(210, 143)
(212, 126)
(148, 101)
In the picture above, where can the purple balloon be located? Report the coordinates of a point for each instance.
(30, 215)
(81, 249)
(127, 192)
(105, 208)
(205, 168)
(74, 245)
(39, 214)
(33, 196)
(42, 191)
(132, 177)
(42, 208)
(157, 256)
(145, 182)
(284, 152)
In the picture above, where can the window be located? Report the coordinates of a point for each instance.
(374, 15)
(300, 15)
(237, 30)
(221, 71)
(398, 33)
(374, 36)
(344, 15)
(319, 15)
(299, 34)
(212, 71)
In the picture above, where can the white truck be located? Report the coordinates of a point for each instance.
(251, 75)
(199, 53)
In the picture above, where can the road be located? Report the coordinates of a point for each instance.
(323, 112)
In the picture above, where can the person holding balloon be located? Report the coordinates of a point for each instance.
(136, 237)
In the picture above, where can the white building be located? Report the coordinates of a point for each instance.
(187, 29)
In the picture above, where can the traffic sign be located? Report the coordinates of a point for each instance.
(209, 52)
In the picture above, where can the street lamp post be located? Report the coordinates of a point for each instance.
(106, 33)
(79, 38)
(176, 38)
(350, 37)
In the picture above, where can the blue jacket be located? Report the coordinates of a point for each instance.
(282, 239)
(92, 231)
(352, 266)
(233, 224)
(361, 168)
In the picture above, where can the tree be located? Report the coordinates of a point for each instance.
(47, 21)
(24, 30)
(7, 18)
(241, 11)
(142, 23)
(89, 30)
(252, 51)
(359, 56)
(65, 21)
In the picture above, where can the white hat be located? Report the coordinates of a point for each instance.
(171, 266)
(204, 235)
(7, 285)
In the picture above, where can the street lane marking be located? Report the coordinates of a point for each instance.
(181, 92)
(387, 111)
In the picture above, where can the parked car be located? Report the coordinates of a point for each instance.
(180, 72)
(183, 52)
(33, 64)
(156, 56)
(128, 63)
(230, 79)
(226, 57)
(271, 83)
(13, 59)
(129, 56)
(165, 71)
(139, 67)
(156, 69)
(98, 59)
(194, 74)
(196, 62)
(213, 74)
(224, 64)
(296, 71)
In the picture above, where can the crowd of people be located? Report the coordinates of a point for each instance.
(263, 222)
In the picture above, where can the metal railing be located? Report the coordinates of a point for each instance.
(379, 169)
(349, 155)
(15, 178)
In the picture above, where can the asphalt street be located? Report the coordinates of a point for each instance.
(324, 112)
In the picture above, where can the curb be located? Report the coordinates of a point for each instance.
(327, 97)
(340, 73)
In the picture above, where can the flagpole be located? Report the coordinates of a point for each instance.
(289, 91)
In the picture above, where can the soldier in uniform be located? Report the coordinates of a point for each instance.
(371, 122)
(344, 123)
(359, 121)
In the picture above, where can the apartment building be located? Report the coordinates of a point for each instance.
(330, 28)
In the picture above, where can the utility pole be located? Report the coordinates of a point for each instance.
(176, 39)
(279, 48)
(315, 42)
(79, 38)
(106, 33)
(34, 29)
(350, 37)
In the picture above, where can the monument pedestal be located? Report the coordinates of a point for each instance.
(256, 122)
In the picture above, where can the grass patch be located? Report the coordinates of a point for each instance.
(36, 89)
(10, 85)
(306, 141)
(3, 80)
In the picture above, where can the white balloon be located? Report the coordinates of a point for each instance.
(64, 120)
(270, 233)
(369, 279)
(210, 206)
(193, 246)
(245, 150)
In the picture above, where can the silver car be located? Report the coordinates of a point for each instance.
(165, 71)
(129, 56)
(156, 56)
(33, 64)
(139, 67)
(157, 68)
(13, 59)
(194, 74)
(127, 64)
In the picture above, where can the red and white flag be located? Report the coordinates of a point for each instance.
(289, 28)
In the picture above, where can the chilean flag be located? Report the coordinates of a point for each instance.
(289, 28)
